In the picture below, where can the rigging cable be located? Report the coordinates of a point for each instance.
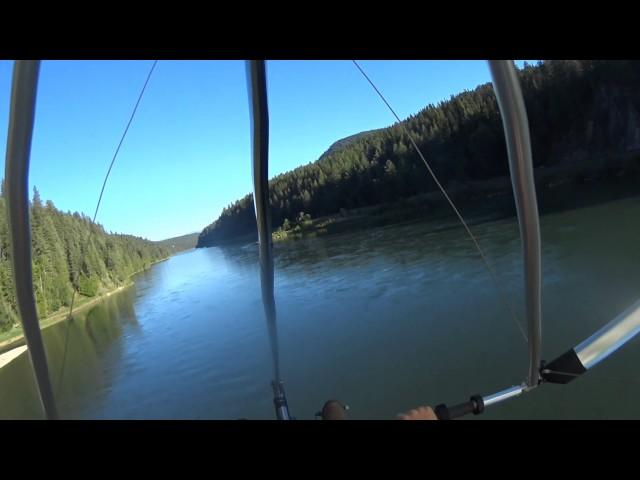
(590, 352)
(446, 196)
(95, 214)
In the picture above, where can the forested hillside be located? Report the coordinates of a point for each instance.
(64, 261)
(578, 111)
(181, 243)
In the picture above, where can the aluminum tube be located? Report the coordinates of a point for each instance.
(516, 129)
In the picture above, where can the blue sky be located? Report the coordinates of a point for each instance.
(187, 153)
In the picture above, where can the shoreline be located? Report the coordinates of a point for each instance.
(560, 187)
(9, 345)
(491, 199)
(18, 340)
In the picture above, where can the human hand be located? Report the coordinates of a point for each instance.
(420, 413)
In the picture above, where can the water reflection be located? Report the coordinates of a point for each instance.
(384, 319)
(81, 345)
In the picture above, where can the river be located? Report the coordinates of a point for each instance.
(385, 320)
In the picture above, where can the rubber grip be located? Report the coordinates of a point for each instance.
(475, 405)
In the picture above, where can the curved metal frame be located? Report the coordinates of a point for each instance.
(257, 86)
(21, 120)
(516, 132)
(517, 137)
(607, 339)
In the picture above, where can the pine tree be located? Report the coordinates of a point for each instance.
(63, 259)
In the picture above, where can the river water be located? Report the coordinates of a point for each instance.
(385, 320)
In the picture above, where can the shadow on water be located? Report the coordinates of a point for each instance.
(81, 344)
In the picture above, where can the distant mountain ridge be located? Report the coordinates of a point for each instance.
(181, 243)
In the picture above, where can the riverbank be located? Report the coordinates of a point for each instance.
(14, 338)
(567, 186)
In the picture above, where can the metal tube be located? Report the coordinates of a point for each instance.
(516, 129)
(256, 75)
(610, 337)
(503, 395)
(280, 401)
(21, 119)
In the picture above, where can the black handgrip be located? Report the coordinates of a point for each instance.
(475, 405)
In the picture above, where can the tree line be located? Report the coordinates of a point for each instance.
(69, 252)
(577, 109)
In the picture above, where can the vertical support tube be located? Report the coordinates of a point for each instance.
(21, 119)
(516, 130)
(256, 75)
